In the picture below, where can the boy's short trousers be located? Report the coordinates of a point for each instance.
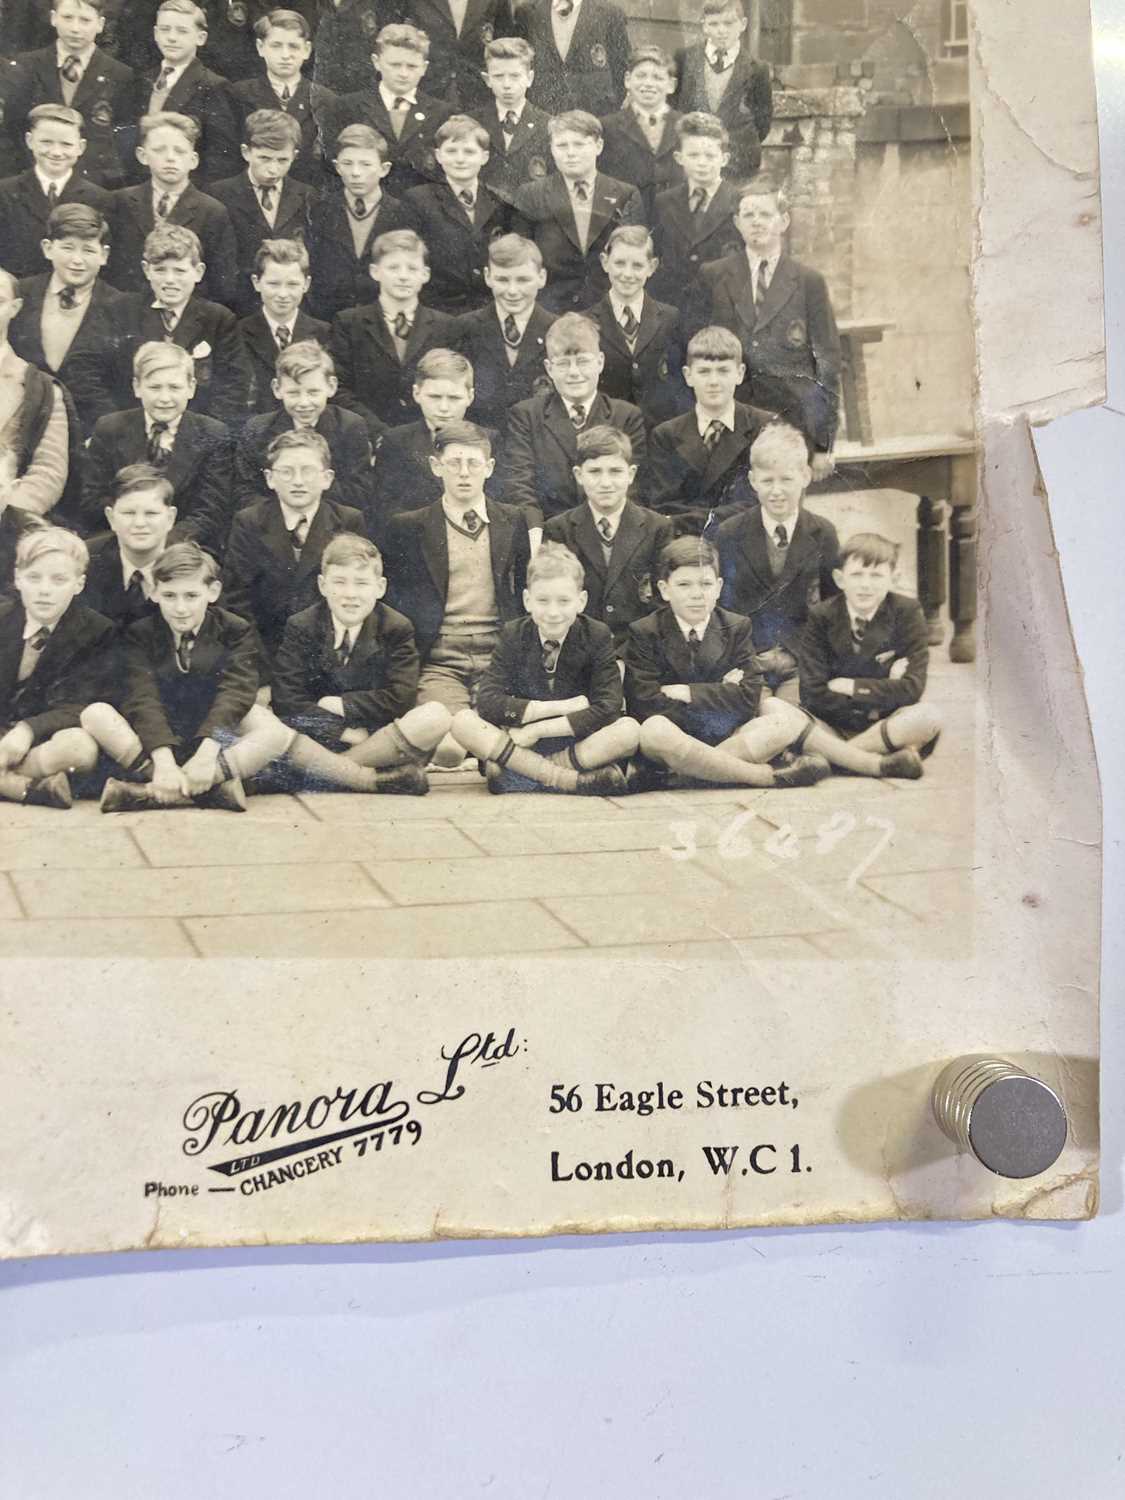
(712, 728)
(454, 668)
(325, 728)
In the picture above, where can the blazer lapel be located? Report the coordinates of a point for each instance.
(722, 455)
(800, 548)
(676, 651)
(840, 629)
(207, 649)
(779, 291)
(422, 320)
(630, 534)
(11, 647)
(589, 544)
(373, 319)
(561, 428)
(499, 543)
(435, 548)
(319, 534)
(604, 208)
(712, 646)
(559, 201)
(650, 324)
(755, 548)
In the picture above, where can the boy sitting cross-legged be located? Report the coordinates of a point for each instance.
(550, 701)
(692, 680)
(863, 659)
(141, 513)
(273, 556)
(616, 540)
(346, 679)
(188, 729)
(52, 654)
(281, 279)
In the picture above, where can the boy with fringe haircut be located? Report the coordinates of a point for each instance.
(280, 278)
(347, 220)
(506, 342)
(284, 43)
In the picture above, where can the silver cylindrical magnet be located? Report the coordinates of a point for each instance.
(1011, 1122)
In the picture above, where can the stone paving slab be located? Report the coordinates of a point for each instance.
(248, 841)
(95, 937)
(72, 846)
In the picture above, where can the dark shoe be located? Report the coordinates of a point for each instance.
(125, 796)
(403, 781)
(52, 791)
(224, 796)
(926, 750)
(906, 765)
(494, 778)
(606, 781)
(802, 770)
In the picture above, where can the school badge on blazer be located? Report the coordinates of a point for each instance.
(487, 33)
(598, 55)
(644, 588)
(201, 354)
(537, 167)
(237, 13)
(797, 336)
(102, 112)
(369, 23)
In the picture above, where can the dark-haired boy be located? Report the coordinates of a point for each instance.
(403, 115)
(553, 690)
(70, 324)
(581, 53)
(692, 680)
(346, 680)
(188, 727)
(641, 138)
(692, 222)
(56, 139)
(141, 513)
(506, 343)
(517, 130)
(641, 338)
(180, 83)
(863, 661)
(617, 541)
(347, 220)
(720, 75)
(280, 277)
(284, 43)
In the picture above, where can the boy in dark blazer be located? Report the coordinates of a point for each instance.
(458, 45)
(280, 277)
(273, 556)
(641, 138)
(52, 654)
(264, 202)
(699, 461)
(182, 84)
(572, 213)
(304, 384)
(346, 680)
(458, 569)
(782, 313)
(553, 689)
(141, 513)
(581, 54)
(720, 76)
(347, 220)
(77, 73)
(376, 348)
(193, 452)
(284, 42)
(459, 217)
(506, 342)
(170, 198)
(863, 658)
(692, 680)
(70, 323)
(520, 146)
(541, 443)
(641, 338)
(777, 558)
(617, 541)
(693, 221)
(56, 140)
(188, 729)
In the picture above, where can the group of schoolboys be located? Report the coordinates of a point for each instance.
(527, 303)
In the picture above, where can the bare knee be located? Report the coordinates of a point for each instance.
(783, 713)
(656, 734)
(79, 749)
(468, 729)
(427, 724)
(629, 734)
(95, 718)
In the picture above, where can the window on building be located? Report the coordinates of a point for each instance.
(955, 42)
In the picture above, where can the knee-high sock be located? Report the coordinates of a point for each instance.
(615, 741)
(336, 770)
(761, 739)
(489, 743)
(839, 752)
(691, 757)
(113, 733)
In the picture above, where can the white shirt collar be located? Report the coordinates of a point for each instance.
(170, 434)
(644, 114)
(82, 295)
(729, 53)
(277, 84)
(686, 626)
(174, 194)
(371, 201)
(32, 627)
(389, 315)
(708, 194)
(388, 97)
(177, 312)
(789, 522)
(83, 57)
(755, 260)
(703, 419)
(635, 304)
(292, 517)
(565, 20)
(58, 183)
(590, 182)
(340, 631)
(457, 513)
(500, 113)
(521, 319)
(173, 77)
(128, 569)
(612, 516)
(587, 406)
(273, 326)
(556, 639)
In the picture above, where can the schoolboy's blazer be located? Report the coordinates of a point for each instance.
(166, 706)
(105, 589)
(498, 385)
(262, 351)
(69, 674)
(656, 655)
(199, 468)
(263, 581)
(132, 218)
(457, 59)
(372, 381)
(312, 106)
(251, 227)
(108, 98)
(827, 649)
(587, 667)
(541, 449)
(592, 75)
(685, 241)
(529, 155)
(210, 333)
(412, 153)
(628, 156)
(457, 242)
(403, 477)
(345, 36)
(340, 278)
(202, 94)
(650, 374)
(689, 480)
(91, 370)
(543, 214)
(379, 683)
(746, 108)
(417, 564)
(23, 217)
(624, 588)
(347, 439)
(791, 344)
(778, 606)
(14, 85)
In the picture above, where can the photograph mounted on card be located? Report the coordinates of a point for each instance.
(597, 779)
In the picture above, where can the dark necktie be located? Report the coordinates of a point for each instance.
(266, 194)
(402, 326)
(282, 335)
(720, 62)
(761, 287)
(29, 660)
(135, 593)
(551, 651)
(693, 644)
(184, 649)
(164, 205)
(564, 8)
(511, 332)
(859, 630)
(344, 649)
(781, 537)
(156, 453)
(696, 199)
(168, 318)
(67, 297)
(471, 522)
(359, 208)
(578, 416)
(467, 198)
(510, 122)
(606, 529)
(285, 95)
(162, 82)
(299, 534)
(582, 191)
(629, 324)
(400, 104)
(52, 194)
(711, 437)
(71, 69)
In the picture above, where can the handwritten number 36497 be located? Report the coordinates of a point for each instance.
(782, 843)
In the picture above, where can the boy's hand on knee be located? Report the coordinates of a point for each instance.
(353, 735)
(679, 692)
(524, 735)
(332, 706)
(844, 685)
(263, 695)
(199, 771)
(734, 676)
(898, 669)
(15, 745)
(168, 782)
